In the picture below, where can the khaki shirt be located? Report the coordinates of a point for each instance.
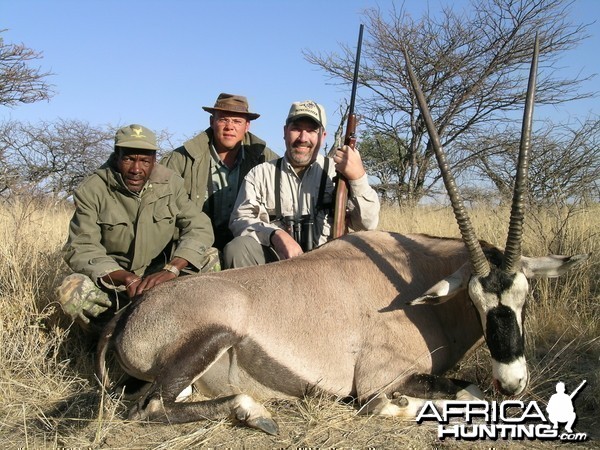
(113, 228)
(255, 203)
(224, 183)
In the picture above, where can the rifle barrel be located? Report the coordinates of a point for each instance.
(341, 189)
(577, 389)
(356, 68)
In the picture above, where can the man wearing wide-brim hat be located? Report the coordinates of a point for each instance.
(214, 163)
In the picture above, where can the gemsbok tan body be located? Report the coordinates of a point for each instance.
(364, 316)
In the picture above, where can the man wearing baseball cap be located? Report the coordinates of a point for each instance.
(285, 207)
(214, 163)
(134, 227)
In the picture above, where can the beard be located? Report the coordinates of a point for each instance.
(301, 154)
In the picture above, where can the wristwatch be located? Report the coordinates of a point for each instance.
(171, 268)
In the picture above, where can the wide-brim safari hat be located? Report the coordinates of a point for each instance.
(232, 103)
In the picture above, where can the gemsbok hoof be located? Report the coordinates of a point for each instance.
(254, 415)
(145, 409)
(265, 424)
(399, 400)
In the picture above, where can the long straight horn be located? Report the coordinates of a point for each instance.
(479, 263)
(512, 250)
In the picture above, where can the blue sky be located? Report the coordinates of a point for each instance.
(158, 62)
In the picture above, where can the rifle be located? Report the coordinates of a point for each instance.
(576, 391)
(341, 190)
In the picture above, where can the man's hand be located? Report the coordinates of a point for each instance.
(348, 163)
(83, 308)
(81, 299)
(285, 245)
(136, 285)
(123, 278)
(152, 280)
(159, 277)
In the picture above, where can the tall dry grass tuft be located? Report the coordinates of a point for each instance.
(30, 268)
(49, 398)
(38, 364)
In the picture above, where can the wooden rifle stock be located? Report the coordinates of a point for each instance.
(341, 190)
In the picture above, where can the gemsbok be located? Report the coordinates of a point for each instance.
(366, 316)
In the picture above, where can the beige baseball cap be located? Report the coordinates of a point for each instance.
(136, 136)
(309, 109)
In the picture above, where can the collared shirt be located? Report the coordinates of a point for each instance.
(255, 203)
(223, 186)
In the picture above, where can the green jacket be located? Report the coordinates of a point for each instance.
(113, 228)
(192, 161)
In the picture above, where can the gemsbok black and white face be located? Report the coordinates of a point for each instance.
(500, 298)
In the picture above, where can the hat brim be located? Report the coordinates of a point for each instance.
(138, 145)
(249, 115)
(305, 116)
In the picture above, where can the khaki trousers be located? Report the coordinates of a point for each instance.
(244, 251)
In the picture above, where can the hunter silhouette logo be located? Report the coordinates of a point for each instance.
(137, 133)
(560, 407)
(509, 419)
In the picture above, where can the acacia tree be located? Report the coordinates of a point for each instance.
(384, 157)
(564, 163)
(51, 158)
(472, 65)
(19, 81)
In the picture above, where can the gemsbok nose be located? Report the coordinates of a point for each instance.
(512, 378)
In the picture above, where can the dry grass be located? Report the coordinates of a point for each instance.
(49, 398)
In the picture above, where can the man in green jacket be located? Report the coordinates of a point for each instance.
(215, 162)
(134, 227)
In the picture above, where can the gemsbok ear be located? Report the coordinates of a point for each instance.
(550, 266)
(445, 289)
